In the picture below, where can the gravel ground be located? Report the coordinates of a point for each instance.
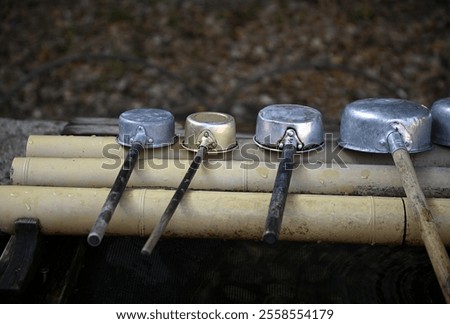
(61, 59)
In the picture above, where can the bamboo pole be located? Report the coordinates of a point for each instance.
(107, 147)
(226, 215)
(378, 180)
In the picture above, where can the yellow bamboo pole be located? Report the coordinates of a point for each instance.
(107, 147)
(227, 215)
(352, 179)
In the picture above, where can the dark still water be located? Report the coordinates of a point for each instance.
(216, 271)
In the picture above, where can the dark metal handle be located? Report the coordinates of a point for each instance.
(279, 195)
(173, 204)
(98, 230)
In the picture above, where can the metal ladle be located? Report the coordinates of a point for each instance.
(205, 132)
(440, 111)
(138, 129)
(288, 129)
(399, 127)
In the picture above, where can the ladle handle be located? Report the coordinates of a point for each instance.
(173, 204)
(98, 230)
(430, 236)
(279, 195)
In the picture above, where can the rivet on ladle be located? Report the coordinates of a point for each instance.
(138, 129)
(406, 128)
(290, 129)
(205, 132)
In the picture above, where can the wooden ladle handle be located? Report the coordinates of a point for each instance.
(430, 236)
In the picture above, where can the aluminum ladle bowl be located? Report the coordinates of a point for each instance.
(273, 121)
(440, 111)
(366, 125)
(220, 127)
(150, 126)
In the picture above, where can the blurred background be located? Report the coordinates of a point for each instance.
(65, 59)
